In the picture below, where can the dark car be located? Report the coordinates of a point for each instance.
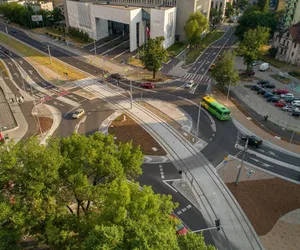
(255, 88)
(263, 82)
(269, 86)
(268, 94)
(296, 112)
(261, 91)
(273, 99)
(247, 73)
(13, 31)
(252, 141)
(116, 76)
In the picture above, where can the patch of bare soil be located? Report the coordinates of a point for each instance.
(45, 124)
(127, 130)
(265, 201)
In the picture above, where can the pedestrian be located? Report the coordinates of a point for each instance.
(266, 117)
(18, 99)
(22, 98)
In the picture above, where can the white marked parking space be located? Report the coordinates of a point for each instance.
(121, 54)
(99, 46)
(161, 172)
(184, 209)
(114, 48)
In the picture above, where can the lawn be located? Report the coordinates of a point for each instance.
(263, 56)
(3, 69)
(206, 41)
(176, 48)
(42, 59)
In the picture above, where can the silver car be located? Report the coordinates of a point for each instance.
(288, 108)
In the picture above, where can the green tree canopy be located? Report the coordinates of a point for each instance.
(241, 4)
(253, 40)
(215, 16)
(263, 5)
(224, 72)
(153, 54)
(255, 19)
(80, 193)
(229, 10)
(195, 26)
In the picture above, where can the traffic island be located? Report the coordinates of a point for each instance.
(125, 129)
(266, 200)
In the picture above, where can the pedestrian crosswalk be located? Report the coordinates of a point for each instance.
(86, 81)
(198, 79)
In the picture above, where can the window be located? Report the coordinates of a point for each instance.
(295, 45)
(287, 44)
(292, 54)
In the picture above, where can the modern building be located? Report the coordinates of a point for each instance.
(220, 4)
(138, 19)
(287, 43)
(292, 13)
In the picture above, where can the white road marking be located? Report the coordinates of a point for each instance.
(105, 43)
(272, 153)
(104, 53)
(165, 181)
(121, 54)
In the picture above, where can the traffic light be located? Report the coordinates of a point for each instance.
(218, 224)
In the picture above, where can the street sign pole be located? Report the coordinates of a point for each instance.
(239, 173)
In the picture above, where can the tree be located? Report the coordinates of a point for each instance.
(253, 40)
(256, 19)
(229, 10)
(224, 72)
(153, 54)
(192, 241)
(195, 26)
(74, 193)
(263, 5)
(215, 16)
(241, 4)
(57, 15)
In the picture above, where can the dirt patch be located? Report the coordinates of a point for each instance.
(265, 201)
(170, 121)
(127, 130)
(45, 124)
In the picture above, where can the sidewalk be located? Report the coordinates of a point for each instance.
(216, 201)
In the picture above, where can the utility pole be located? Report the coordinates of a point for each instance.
(49, 53)
(198, 120)
(217, 226)
(131, 101)
(239, 173)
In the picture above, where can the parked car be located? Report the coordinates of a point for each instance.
(180, 228)
(288, 96)
(268, 94)
(78, 113)
(13, 31)
(263, 82)
(211, 67)
(255, 87)
(261, 91)
(269, 86)
(273, 98)
(288, 108)
(147, 85)
(264, 66)
(116, 76)
(280, 91)
(254, 63)
(296, 112)
(189, 84)
(247, 73)
(252, 141)
(296, 103)
(280, 104)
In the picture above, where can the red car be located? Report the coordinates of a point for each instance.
(280, 104)
(180, 228)
(280, 91)
(147, 85)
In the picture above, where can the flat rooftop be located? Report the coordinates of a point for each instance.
(118, 6)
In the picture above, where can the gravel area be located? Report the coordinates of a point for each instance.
(45, 124)
(128, 129)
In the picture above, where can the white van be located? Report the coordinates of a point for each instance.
(264, 66)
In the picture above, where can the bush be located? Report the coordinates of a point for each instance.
(295, 73)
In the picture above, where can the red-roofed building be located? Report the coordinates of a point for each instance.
(288, 44)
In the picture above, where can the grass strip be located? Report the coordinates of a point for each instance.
(42, 59)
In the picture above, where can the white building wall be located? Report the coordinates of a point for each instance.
(135, 17)
(163, 23)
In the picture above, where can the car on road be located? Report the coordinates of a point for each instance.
(180, 228)
(78, 113)
(147, 85)
(211, 67)
(280, 91)
(247, 73)
(116, 76)
(263, 82)
(288, 108)
(252, 141)
(189, 84)
(269, 86)
(280, 104)
(273, 98)
(13, 31)
(8, 52)
(256, 88)
(268, 94)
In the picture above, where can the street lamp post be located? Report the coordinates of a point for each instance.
(244, 155)
(49, 53)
